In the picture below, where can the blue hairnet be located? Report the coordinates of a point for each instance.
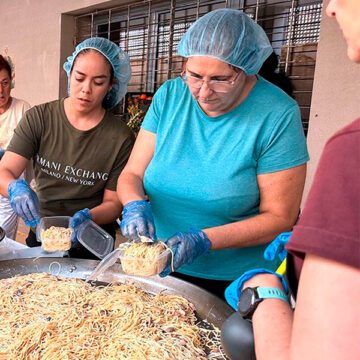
(228, 35)
(119, 61)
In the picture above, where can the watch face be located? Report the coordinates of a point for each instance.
(245, 301)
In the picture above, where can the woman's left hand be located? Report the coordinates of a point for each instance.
(186, 246)
(79, 218)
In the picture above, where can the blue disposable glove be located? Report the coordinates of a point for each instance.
(80, 217)
(2, 152)
(24, 202)
(232, 292)
(277, 247)
(137, 220)
(186, 246)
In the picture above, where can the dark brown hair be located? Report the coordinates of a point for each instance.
(4, 64)
(85, 51)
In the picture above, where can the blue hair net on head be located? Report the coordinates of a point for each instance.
(228, 35)
(119, 61)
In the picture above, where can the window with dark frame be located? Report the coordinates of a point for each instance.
(149, 32)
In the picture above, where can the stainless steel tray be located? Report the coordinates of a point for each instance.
(208, 306)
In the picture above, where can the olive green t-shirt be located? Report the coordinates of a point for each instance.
(72, 167)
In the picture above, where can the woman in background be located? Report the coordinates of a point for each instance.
(11, 111)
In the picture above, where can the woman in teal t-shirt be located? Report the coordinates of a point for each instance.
(221, 156)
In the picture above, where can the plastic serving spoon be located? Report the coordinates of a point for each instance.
(104, 264)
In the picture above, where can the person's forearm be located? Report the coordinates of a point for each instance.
(253, 231)
(272, 326)
(130, 188)
(106, 212)
(5, 179)
(272, 322)
(11, 167)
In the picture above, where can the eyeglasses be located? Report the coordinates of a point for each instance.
(221, 86)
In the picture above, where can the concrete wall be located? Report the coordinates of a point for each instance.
(31, 31)
(336, 92)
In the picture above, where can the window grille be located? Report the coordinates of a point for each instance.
(305, 17)
(179, 30)
(135, 42)
(150, 30)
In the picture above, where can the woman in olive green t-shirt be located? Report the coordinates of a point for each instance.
(78, 147)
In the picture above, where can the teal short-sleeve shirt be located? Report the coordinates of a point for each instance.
(204, 169)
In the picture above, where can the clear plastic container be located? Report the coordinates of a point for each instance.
(144, 265)
(95, 239)
(55, 242)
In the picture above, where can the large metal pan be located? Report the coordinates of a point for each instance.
(208, 306)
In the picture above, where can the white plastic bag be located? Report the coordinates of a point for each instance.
(8, 218)
(8, 248)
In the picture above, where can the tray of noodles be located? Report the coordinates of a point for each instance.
(48, 311)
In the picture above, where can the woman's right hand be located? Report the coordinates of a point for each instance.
(79, 218)
(24, 202)
(137, 220)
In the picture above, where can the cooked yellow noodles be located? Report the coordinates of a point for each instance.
(50, 318)
(144, 259)
(56, 238)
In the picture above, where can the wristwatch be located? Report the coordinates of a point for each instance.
(250, 298)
